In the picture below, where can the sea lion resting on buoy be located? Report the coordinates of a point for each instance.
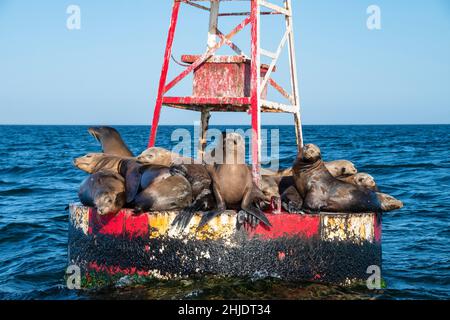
(148, 187)
(233, 184)
(197, 175)
(337, 168)
(281, 187)
(111, 141)
(103, 190)
(361, 179)
(321, 191)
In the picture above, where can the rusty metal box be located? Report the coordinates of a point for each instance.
(223, 76)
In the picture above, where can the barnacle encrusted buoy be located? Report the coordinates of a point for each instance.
(326, 247)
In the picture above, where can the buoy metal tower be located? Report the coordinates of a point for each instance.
(236, 83)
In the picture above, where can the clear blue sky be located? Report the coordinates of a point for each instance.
(107, 72)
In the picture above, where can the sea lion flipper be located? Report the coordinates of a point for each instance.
(208, 216)
(291, 201)
(183, 219)
(133, 176)
(258, 214)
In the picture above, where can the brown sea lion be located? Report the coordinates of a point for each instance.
(233, 183)
(197, 175)
(103, 190)
(283, 187)
(340, 168)
(111, 141)
(146, 179)
(337, 168)
(361, 179)
(389, 203)
(323, 192)
(173, 193)
(164, 157)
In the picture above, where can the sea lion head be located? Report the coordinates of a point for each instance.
(311, 153)
(101, 132)
(341, 168)
(88, 162)
(366, 180)
(108, 202)
(233, 148)
(111, 141)
(94, 162)
(388, 202)
(157, 156)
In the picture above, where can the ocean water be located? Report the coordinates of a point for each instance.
(38, 181)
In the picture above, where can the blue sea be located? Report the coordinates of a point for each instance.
(412, 163)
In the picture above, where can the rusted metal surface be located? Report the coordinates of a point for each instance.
(223, 76)
(216, 78)
(332, 248)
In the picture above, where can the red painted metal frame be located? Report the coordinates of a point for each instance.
(207, 100)
(255, 106)
(165, 69)
(206, 55)
(255, 85)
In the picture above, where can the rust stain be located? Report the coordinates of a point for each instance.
(355, 228)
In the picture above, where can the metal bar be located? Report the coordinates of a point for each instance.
(277, 55)
(232, 14)
(206, 115)
(275, 7)
(255, 92)
(268, 54)
(294, 78)
(281, 90)
(189, 2)
(213, 21)
(231, 44)
(165, 68)
(207, 54)
(207, 100)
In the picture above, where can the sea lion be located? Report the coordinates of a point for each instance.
(197, 175)
(321, 191)
(276, 187)
(173, 193)
(233, 184)
(337, 168)
(389, 203)
(161, 156)
(143, 183)
(104, 190)
(94, 162)
(111, 141)
(361, 179)
(340, 168)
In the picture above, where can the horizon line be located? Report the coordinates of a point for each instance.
(231, 125)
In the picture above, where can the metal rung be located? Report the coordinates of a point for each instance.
(268, 53)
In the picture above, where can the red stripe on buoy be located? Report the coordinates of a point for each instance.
(288, 225)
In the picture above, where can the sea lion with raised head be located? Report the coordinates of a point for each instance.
(143, 183)
(321, 191)
(111, 141)
(233, 184)
(103, 190)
